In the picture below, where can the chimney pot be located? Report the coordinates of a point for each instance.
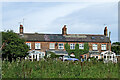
(105, 31)
(21, 29)
(64, 30)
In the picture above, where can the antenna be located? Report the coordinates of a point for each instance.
(105, 25)
(19, 22)
(23, 21)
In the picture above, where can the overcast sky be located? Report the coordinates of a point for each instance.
(50, 17)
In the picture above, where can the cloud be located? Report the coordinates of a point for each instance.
(41, 18)
(92, 19)
(80, 17)
(59, 0)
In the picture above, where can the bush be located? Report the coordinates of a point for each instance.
(52, 55)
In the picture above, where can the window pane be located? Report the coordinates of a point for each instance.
(81, 46)
(29, 44)
(37, 45)
(52, 46)
(60, 46)
(72, 46)
(103, 47)
(94, 46)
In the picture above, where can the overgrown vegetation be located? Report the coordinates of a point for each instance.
(77, 51)
(58, 69)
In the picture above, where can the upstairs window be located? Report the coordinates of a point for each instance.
(60, 46)
(103, 47)
(52, 46)
(37, 46)
(72, 46)
(81, 46)
(29, 44)
(94, 46)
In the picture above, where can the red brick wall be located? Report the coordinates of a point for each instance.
(45, 45)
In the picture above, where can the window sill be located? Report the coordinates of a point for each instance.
(51, 49)
(60, 49)
(37, 49)
(103, 50)
(82, 49)
(72, 49)
(95, 50)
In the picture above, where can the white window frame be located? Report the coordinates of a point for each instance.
(51, 45)
(60, 47)
(94, 46)
(81, 46)
(37, 45)
(103, 46)
(29, 44)
(72, 45)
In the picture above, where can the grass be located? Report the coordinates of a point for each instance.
(58, 69)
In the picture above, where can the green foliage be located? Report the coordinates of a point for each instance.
(77, 51)
(52, 55)
(67, 47)
(86, 48)
(116, 47)
(14, 46)
(58, 69)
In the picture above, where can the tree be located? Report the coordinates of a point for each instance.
(116, 47)
(14, 46)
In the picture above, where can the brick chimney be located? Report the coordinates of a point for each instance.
(64, 30)
(21, 28)
(105, 31)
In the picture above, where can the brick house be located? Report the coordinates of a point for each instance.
(53, 42)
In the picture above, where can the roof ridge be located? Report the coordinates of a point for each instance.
(87, 34)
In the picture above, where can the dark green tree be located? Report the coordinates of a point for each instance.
(116, 47)
(14, 46)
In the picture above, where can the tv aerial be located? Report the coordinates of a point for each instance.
(22, 23)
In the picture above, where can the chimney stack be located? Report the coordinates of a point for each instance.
(105, 31)
(21, 28)
(64, 30)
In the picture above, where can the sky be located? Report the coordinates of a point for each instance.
(50, 17)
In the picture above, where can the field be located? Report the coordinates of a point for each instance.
(58, 69)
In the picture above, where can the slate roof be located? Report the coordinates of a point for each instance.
(67, 38)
